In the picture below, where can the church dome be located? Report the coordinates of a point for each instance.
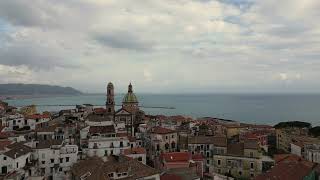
(130, 97)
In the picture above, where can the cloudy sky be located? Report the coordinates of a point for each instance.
(162, 46)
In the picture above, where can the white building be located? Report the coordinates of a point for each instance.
(313, 153)
(15, 158)
(102, 146)
(137, 153)
(54, 158)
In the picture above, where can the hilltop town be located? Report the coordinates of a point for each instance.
(90, 143)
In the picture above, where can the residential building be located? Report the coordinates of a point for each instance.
(113, 167)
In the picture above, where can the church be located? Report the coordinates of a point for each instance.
(128, 117)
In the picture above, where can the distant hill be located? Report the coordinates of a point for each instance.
(36, 89)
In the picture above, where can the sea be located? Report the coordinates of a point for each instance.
(248, 108)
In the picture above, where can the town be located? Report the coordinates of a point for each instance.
(90, 142)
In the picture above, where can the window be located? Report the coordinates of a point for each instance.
(208, 161)
(43, 162)
(172, 136)
(4, 158)
(52, 160)
(240, 173)
(251, 165)
(111, 152)
(17, 165)
(110, 175)
(251, 174)
(229, 163)
(121, 144)
(219, 171)
(219, 162)
(139, 158)
(106, 152)
(119, 174)
(166, 137)
(67, 159)
(61, 160)
(208, 154)
(251, 154)
(124, 174)
(60, 169)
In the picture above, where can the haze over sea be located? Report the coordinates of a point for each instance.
(249, 108)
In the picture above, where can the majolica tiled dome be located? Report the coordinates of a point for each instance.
(130, 97)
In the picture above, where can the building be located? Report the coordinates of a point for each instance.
(159, 140)
(242, 160)
(312, 153)
(137, 153)
(54, 158)
(16, 157)
(291, 167)
(183, 164)
(113, 167)
(285, 135)
(207, 146)
(102, 141)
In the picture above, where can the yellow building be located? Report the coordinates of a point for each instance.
(28, 110)
(243, 160)
(285, 136)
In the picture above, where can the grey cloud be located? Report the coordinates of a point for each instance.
(34, 57)
(24, 13)
(123, 40)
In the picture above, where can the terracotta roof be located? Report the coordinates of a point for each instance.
(235, 149)
(170, 177)
(198, 156)
(289, 168)
(101, 129)
(51, 128)
(288, 157)
(136, 150)
(161, 130)
(176, 157)
(4, 144)
(99, 110)
(18, 151)
(97, 168)
(217, 141)
(38, 116)
(98, 117)
(48, 144)
(251, 144)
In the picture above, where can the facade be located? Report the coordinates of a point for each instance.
(137, 153)
(207, 146)
(242, 160)
(54, 158)
(313, 153)
(16, 157)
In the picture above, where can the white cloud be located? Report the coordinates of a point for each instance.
(171, 44)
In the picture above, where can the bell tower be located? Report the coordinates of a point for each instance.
(110, 104)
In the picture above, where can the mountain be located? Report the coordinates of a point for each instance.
(36, 89)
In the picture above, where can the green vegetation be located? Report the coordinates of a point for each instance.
(315, 131)
(36, 89)
(297, 124)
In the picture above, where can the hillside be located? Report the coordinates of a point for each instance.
(36, 89)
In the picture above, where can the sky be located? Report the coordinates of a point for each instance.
(162, 46)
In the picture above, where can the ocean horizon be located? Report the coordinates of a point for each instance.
(257, 108)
